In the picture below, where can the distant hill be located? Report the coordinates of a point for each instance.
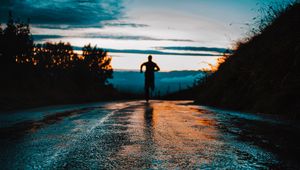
(165, 82)
(263, 74)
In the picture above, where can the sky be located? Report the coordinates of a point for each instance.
(181, 34)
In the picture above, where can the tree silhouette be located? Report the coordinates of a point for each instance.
(16, 43)
(53, 55)
(50, 72)
(24, 43)
(1, 30)
(98, 62)
(1, 41)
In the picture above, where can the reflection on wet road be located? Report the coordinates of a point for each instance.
(136, 135)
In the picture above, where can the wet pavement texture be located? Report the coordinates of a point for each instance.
(137, 135)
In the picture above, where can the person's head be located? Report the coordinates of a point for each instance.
(150, 58)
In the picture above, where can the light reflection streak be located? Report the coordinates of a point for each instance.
(168, 131)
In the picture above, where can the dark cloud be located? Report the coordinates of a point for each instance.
(156, 52)
(131, 37)
(57, 26)
(67, 12)
(109, 23)
(126, 25)
(107, 36)
(205, 49)
(180, 40)
(119, 37)
(43, 37)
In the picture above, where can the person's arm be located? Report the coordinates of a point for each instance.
(156, 68)
(141, 69)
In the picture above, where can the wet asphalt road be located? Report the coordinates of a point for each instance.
(136, 135)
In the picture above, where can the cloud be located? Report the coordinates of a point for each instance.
(124, 24)
(64, 27)
(158, 52)
(43, 37)
(205, 49)
(67, 12)
(134, 51)
(106, 36)
(129, 37)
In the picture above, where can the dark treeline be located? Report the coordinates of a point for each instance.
(50, 73)
(263, 74)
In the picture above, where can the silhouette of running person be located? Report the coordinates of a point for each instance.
(151, 67)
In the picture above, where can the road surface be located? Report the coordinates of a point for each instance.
(136, 135)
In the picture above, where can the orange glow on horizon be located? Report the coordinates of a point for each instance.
(215, 67)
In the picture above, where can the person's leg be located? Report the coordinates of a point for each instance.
(152, 90)
(147, 94)
(152, 86)
(147, 88)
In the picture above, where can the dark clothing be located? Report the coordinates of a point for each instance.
(149, 81)
(151, 67)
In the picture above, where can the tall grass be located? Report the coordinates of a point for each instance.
(268, 12)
